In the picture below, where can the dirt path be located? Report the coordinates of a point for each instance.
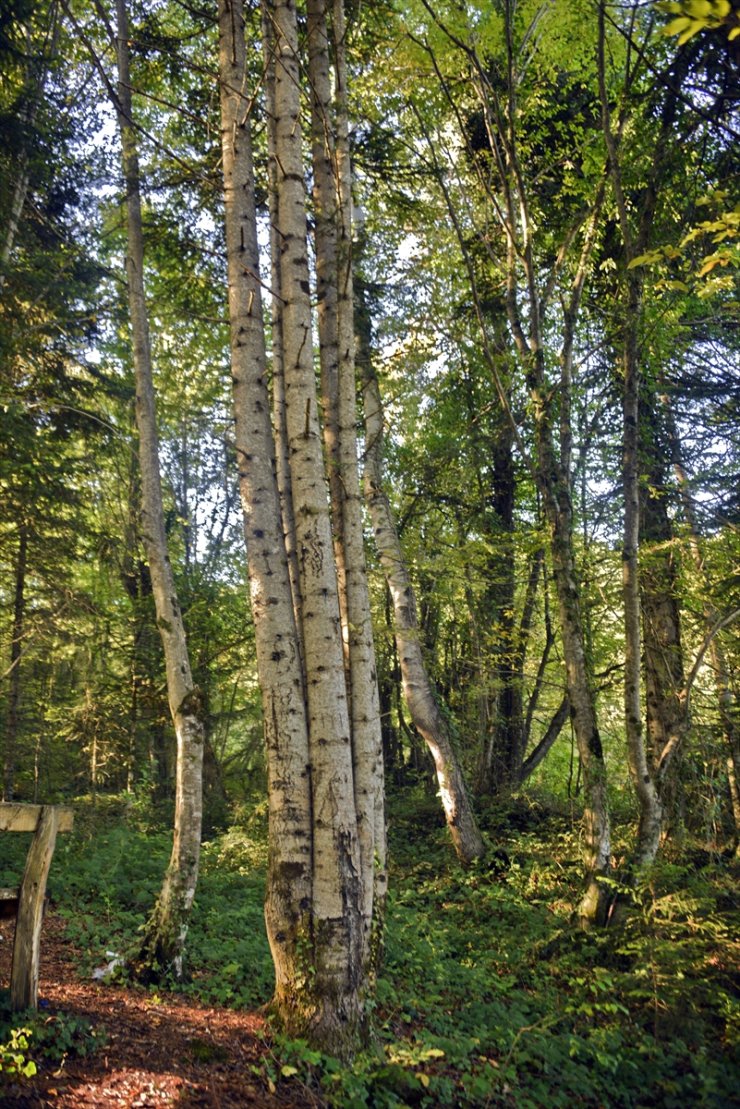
(157, 1052)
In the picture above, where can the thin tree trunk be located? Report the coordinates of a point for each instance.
(596, 825)
(417, 686)
(282, 459)
(367, 742)
(650, 802)
(164, 937)
(647, 779)
(12, 723)
(14, 216)
(728, 706)
(542, 749)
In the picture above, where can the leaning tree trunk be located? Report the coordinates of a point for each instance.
(164, 936)
(417, 686)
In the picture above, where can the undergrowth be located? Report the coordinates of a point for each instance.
(32, 1038)
(488, 996)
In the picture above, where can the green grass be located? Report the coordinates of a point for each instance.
(487, 996)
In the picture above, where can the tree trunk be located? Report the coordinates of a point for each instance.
(648, 794)
(555, 489)
(282, 459)
(332, 202)
(648, 775)
(728, 706)
(314, 910)
(337, 912)
(164, 937)
(417, 687)
(289, 887)
(12, 722)
(364, 692)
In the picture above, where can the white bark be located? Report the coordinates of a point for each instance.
(334, 996)
(282, 460)
(417, 687)
(164, 937)
(365, 699)
(277, 641)
(332, 200)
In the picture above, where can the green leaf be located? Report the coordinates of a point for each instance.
(648, 259)
(676, 26)
(694, 28)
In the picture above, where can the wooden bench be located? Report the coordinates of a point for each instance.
(45, 821)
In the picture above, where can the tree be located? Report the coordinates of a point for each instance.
(164, 938)
(47, 393)
(323, 777)
(531, 268)
(417, 686)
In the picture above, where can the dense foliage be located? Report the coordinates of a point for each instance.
(486, 997)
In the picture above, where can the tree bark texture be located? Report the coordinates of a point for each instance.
(164, 937)
(289, 892)
(337, 915)
(282, 456)
(332, 207)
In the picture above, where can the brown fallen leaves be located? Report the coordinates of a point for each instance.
(159, 1050)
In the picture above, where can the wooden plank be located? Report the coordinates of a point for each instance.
(25, 818)
(24, 980)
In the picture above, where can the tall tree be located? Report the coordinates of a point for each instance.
(164, 937)
(534, 266)
(333, 208)
(418, 690)
(320, 896)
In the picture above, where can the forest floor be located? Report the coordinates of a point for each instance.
(488, 997)
(155, 1051)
